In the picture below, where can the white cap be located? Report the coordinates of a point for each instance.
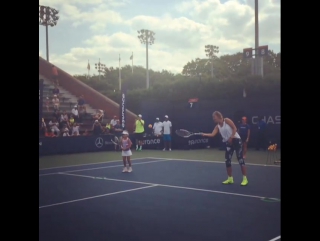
(125, 133)
(157, 118)
(140, 115)
(96, 121)
(75, 106)
(166, 116)
(66, 129)
(54, 95)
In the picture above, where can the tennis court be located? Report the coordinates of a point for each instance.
(162, 199)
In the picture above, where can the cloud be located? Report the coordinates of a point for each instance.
(180, 35)
(114, 41)
(99, 17)
(234, 20)
(97, 13)
(108, 48)
(58, 3)
(175, 33)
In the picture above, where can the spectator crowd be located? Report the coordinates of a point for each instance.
(64, 123)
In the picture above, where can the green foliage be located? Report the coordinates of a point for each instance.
(232, 74)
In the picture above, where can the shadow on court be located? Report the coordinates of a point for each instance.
(159, 200)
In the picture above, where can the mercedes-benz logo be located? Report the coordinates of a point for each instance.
(99, 142)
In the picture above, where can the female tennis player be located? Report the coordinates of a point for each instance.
(125, 144)
(229, 134)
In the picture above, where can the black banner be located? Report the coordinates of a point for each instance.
(193, 142)
(122, 108)
(149, 142)
(80, 144)
(40, 100)
(75, 144)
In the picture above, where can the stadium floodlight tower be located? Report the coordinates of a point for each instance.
(48, 17)
(211, 50)
(100, 67)
(146, 37)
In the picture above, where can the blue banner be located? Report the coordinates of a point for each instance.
(122, 108)
(75, 144)
(40, 100)
(80, 144)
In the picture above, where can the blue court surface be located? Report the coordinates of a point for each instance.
(161, 200)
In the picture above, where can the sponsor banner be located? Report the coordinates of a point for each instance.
(40, 100)
(193, 142)
(75, 144)
(149, 142)
(122, 108)
(199, 141)
(269, 119)
(152, 142)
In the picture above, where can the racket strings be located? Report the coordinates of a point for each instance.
(183, 132)
(115, 140)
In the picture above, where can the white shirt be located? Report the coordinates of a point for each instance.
(157, 128)
(61, 117)
(226, 132)
(52, 124)
(113, 122)
(166, 127)
(65, 117)
(75, 130)
(65, 134)
(55, 101)
(75, 112)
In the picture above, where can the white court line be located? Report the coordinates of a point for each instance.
(163, 185)
(220, 162)
(95, 168)
(103, 195)
(95, 163)
(276, 238)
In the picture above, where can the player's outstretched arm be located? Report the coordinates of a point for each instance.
(214, 132)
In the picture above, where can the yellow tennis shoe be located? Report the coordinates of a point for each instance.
(244, 181)
(228, 181)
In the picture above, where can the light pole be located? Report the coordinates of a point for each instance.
(260, 51)
(211, 50)
(100, 67)
(47, 17)
(146, 37)
(258, 65)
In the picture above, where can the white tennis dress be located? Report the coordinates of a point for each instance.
(125, 143)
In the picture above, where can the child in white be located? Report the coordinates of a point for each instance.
(75, 130)
(125, 144)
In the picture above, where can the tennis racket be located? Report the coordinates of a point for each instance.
(116, 141)
(186, 134)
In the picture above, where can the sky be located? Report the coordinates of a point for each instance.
(89, 30)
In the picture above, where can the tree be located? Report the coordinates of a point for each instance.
(232, 73)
